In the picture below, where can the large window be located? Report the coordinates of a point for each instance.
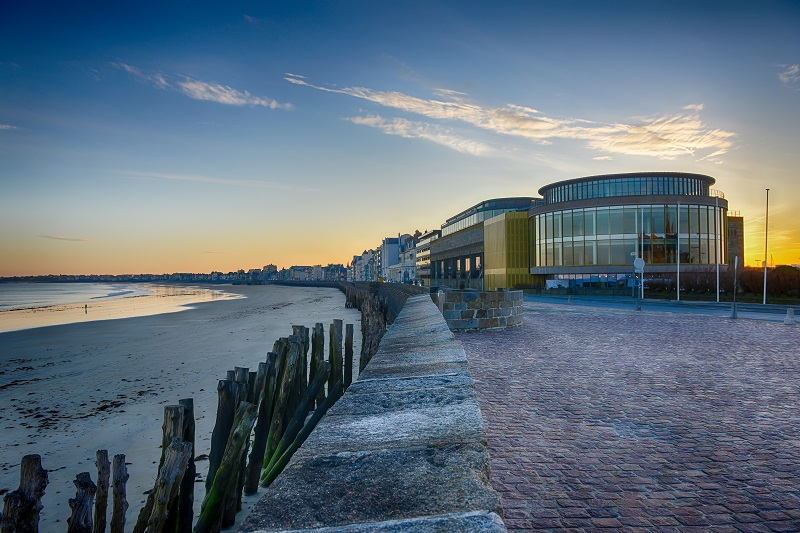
(608, 235)
(627, 186)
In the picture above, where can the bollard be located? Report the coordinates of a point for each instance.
(734, 314)
(440, 301)
(569, 299)
(789, 320)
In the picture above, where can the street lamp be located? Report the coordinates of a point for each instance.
(638, 277)
(766, 234)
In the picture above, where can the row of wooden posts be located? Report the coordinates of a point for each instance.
(272, 404)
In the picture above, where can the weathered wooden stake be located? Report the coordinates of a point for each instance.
(302, 376)
(317, 355)
(233, 501)
(222, 428)
(335, 354)
(319, 412)
(262, 425)
(281, 402)
(295, 345)
(81, 505)
(165, 492)
(261, 378)
(300, 414)
(348, 355)
(211, 509)
(231, 375)
(172, 429)
(186, 496)
(120, 494)
(101, 501)
(251, 386)
(21, 507)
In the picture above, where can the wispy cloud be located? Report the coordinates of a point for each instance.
(665, 136)
(201, 90)
(63, 238)
(221, 94)
(423, 130)
(790, 76)
(7, 127)
(217, 181)
(603, 158)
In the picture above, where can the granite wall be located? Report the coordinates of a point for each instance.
(473, 310)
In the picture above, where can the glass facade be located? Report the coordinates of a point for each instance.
(485, 211)
(639, 185)
(608, 236)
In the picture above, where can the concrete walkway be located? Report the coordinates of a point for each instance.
(605, 418)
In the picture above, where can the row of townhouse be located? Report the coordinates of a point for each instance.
(401, 259)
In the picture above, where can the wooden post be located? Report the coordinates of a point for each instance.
(300, 414)
(302, 376)
(231, 375)
(261, 378)
(165, 492)
(317, 356)
(262, 425)
(81, 505)
(120, 494)
(348, 355)
(335, 354)
(295, 394)
(251, 385)
(21, 507)
(186, 494)
(211, 509)
(222, 428)
(319, 412)
(172, 429)
(101, 502)
(233, 501)
(281, 402)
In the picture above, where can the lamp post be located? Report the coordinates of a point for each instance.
(678, 250)
(717, 230)
(766, 234)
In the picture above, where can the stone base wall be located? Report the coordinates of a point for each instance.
(471, 310)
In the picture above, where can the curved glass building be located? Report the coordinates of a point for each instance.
(596, 226)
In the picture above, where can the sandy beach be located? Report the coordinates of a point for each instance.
(162, 299)
(69, 390)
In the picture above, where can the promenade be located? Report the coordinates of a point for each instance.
(649, 421)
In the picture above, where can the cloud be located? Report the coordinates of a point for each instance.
(201, 90)
(216, 181)
(62, 238)
(422, 130)
(665, 136)
(221, 94)
(7, 127)
(158, 80)
(790, 76)
(603, 158)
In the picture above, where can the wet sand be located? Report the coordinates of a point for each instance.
(164, 299)
(67, 391)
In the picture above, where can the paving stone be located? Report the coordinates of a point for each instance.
(664, 421)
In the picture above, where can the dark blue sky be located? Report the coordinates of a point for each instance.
(144, 137)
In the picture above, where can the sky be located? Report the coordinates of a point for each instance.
(159, 137)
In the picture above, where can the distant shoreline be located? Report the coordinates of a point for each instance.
(162, 298)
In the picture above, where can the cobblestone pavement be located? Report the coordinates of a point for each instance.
(641, 421)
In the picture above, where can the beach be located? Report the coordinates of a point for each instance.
(130, 301)
(69, 390)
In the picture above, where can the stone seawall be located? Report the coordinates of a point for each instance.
(404, 449)
(472, 310)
